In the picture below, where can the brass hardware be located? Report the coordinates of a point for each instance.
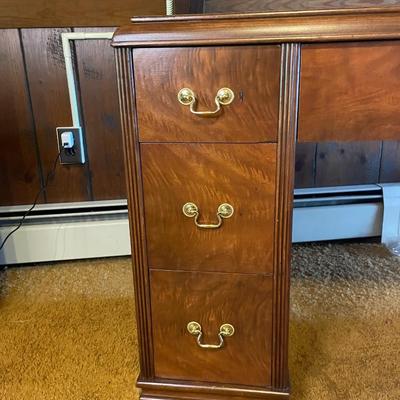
(186, 96)
(225, 210)
(225, 330)
(224, 97)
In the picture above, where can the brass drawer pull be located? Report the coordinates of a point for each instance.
(225, 330)
(224, 97)
(225, 210)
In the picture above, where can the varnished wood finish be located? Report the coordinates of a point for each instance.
(50, 103)
(251, 72)
(99, 97)
(136, 212)
(305, 26)
(59, 13)
(212, 299)
(350, 92)
(242, 175)
(219, 6)
(19, 172)
(170, 389)
(166, 165)
(175, 368)
(290, 69)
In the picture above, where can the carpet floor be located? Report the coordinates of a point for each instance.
(67, 330)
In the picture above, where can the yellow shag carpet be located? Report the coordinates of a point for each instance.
(67, 330)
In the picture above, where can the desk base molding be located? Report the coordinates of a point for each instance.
(175, 390)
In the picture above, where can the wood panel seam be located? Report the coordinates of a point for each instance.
(33, 122)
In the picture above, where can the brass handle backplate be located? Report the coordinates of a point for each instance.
(224, 97)
(225, 330)
(191, 210)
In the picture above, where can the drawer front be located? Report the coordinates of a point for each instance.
(209, 175)
(350, 91)
(251, 72)
(211, 300)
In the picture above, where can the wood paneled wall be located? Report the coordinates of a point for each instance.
(34, 101)
(56, 13)
(20, 172)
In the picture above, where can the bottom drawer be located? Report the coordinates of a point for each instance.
(212, 299)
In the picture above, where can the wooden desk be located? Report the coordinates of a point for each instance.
(210, 194)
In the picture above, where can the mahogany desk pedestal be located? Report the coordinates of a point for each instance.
(212, 107)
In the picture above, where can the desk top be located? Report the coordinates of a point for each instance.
(323, 25)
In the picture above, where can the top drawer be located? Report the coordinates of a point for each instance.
(251, 72)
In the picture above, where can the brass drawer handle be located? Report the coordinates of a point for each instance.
(225, 210)
(224, 97)
(225, 330)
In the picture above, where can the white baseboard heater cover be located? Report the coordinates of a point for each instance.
(100, 229)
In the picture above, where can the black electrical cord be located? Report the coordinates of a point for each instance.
(50, 175)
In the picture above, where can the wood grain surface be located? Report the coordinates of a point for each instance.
(390, 162)
(218, 6)
(212, 299)
(350, 92)
(189, 6)
(287, 133)
(305, 165)
(99, 97)
(251, 72)
(50, 102)
(126, 92)
(342, 163)
(59, 13)
(19, 168)
(261, 28)
(242, 175)
(171, 389)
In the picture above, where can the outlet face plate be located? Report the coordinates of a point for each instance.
(75, 155)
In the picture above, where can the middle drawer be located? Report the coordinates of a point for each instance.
(190, 190)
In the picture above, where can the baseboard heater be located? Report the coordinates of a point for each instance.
(100, 229)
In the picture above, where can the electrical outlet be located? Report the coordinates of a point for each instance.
(76, 154)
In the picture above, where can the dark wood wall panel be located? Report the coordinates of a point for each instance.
(189, 6)
(19, 172)
(390, 165)
(99, 97)
(305, 165)
(344, 163)
(50, 102)
(347, 163)
(62, 13)
(287, 5)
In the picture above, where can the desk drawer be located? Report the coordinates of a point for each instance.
(211, 300)
(209, 175)
(252, 73)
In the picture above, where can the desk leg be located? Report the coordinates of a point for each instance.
(287, 131)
